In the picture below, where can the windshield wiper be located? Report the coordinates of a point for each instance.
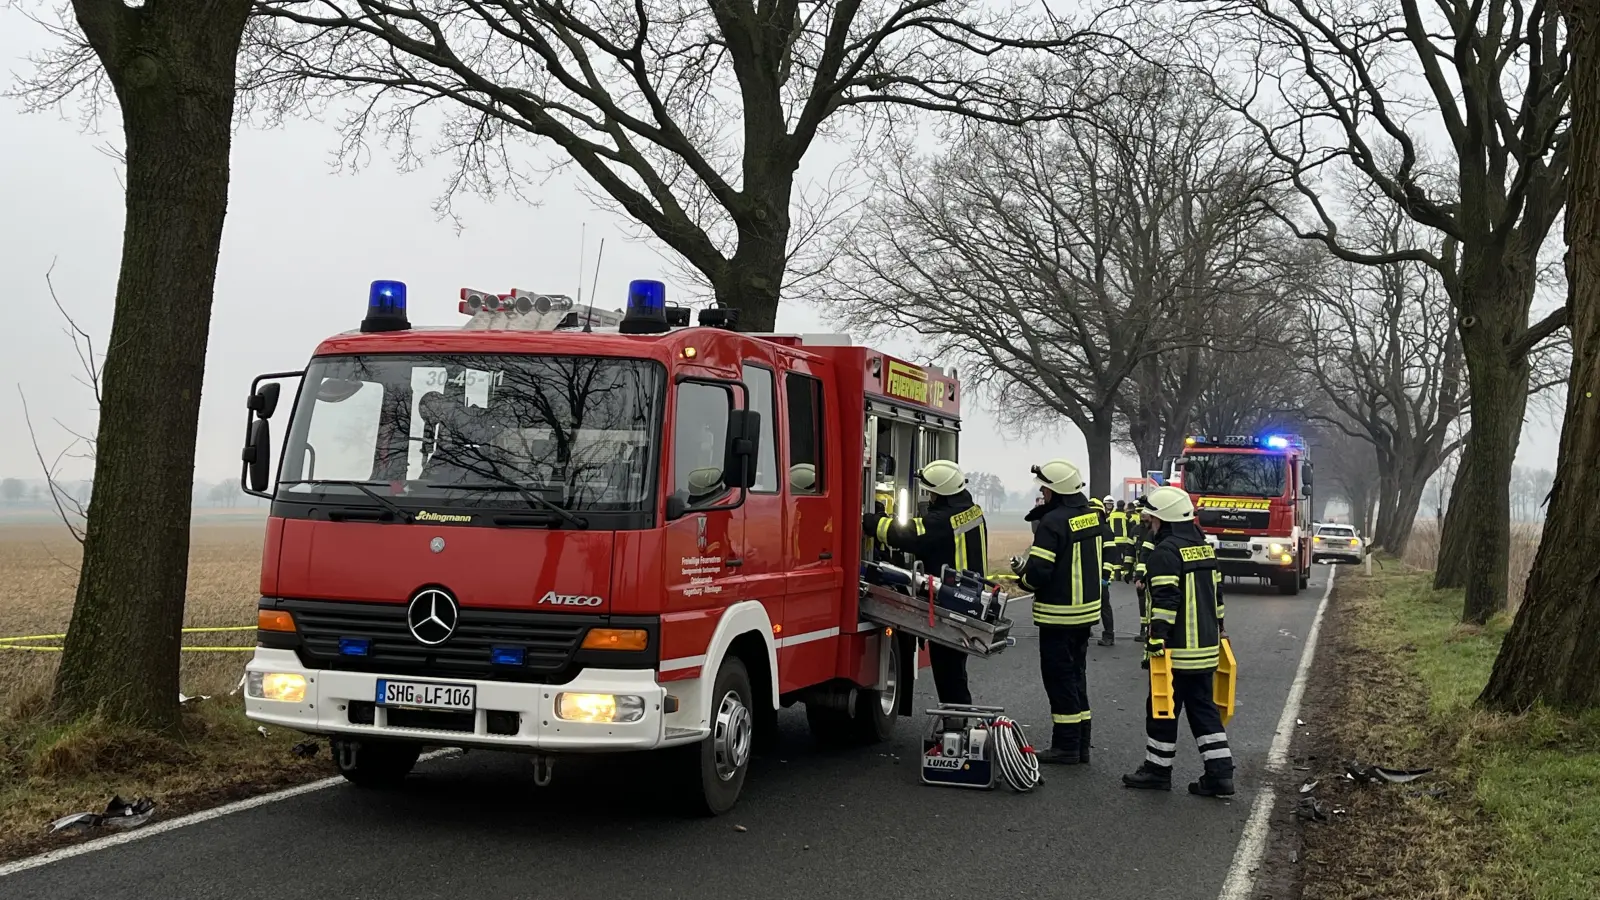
(532, 499)
(404, 515)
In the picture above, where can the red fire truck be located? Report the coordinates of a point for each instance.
(1252, 497)
(568, 530)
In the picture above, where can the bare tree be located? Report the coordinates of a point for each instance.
(170, 65)
(1384, 351)
(1353, 88)
(1548, 655)
(1053, 259)
(693, 118)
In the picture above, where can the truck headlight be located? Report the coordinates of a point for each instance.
(1275, 549)
(599, 708)
(285, 687)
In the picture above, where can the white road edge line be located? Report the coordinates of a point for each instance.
(164, 826)
(1253, 840)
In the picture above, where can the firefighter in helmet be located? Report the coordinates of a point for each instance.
(1185, 625)
(951, 533)
(1063, 569)
(1116, 548)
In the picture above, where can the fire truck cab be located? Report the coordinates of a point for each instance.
(568, 530)
(1252, 497)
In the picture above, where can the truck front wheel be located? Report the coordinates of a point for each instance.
(714, 770)
(1289, 583)
(374, 764)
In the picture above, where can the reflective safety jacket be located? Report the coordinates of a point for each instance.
(951, 533)
(1117, 549)
(1064, 564)
(1185, 597)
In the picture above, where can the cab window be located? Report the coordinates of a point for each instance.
(699, 442)
(761, 385)
(804, 396)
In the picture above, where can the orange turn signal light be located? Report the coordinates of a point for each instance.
(616, 639)
(274, 620)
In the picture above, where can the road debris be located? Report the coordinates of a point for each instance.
(262, 729)
(1311, 809)
(1309, 786)
(1364, 774)
(740, 828)
(306, 749)
(120, 815)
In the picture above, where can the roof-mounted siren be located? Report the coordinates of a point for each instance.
(647, 308)
(386, 307)
(474, 301)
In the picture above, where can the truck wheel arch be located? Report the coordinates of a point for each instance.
(745, 618)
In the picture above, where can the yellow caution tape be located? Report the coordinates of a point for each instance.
(24, 642)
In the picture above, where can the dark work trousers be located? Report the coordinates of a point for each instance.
(1191, 693)
(1064, 663)
(949, 674)
(1108, 625)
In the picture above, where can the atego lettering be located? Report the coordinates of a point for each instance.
(552, 598)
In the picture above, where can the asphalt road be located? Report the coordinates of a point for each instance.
(818, 824)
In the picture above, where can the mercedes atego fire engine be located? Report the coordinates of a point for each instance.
(561, 529)
(1252, 497)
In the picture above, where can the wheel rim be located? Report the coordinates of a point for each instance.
(889, 697)
(731, 738)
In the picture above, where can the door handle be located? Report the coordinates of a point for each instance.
(734, 563)
(826, 554)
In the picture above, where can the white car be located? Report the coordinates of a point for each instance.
(1336, 542)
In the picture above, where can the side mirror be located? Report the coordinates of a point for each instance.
(265, 400)
(677, 505)
(257, 454)
(744, 442)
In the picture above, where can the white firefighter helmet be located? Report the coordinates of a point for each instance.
(1060, 476)
(1169, 504)
(802, 477)
(1109, 501)
(943, 477)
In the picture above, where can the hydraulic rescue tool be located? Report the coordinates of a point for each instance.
(966, 612)
(976, 746)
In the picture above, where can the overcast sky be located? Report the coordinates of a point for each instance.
(300, 247)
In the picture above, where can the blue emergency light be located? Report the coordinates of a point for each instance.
(1277, 442)
(506, 656)
(354, 646)
(386, 307)
(647, 308)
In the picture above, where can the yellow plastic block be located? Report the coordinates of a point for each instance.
(1225, 681)
(1161, 686)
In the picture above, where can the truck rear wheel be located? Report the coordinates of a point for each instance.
(713, 771)
(375, 764)
(877, 711)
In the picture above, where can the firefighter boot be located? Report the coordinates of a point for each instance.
(1083, 743)
(1064, 747)
(1149, 777)
(1144, 632)
(1212, 786)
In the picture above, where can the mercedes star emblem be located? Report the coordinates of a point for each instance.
(432, 616)
(436, 545)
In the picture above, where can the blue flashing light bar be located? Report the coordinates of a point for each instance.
(1277, 442)
(506, 656)
(1268, 442)
(386, 307)
(354, 646)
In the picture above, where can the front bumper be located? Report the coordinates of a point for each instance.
(1256, 559)
(338, 703)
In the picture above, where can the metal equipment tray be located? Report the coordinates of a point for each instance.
(973, 637)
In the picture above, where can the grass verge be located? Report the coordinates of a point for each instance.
(49, 769)
(1520, 812)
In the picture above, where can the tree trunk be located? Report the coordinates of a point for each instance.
(753, 280)
(1549, 654)
(1499, 400)
(1097, 434)
(1388, 503)
(1404, 519)
(1449, 570)
(172, 65)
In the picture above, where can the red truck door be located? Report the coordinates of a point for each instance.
(811, 625)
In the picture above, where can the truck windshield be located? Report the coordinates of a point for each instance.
(1234, 474)
(577, 431)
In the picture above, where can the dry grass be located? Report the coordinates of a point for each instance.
(1423, 553)
(49, 769)
(39, 571)
(1394, 685)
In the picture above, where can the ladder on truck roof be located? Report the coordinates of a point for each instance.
(900, 598)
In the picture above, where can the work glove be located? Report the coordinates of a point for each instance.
(1155, 646)
(869, 524)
